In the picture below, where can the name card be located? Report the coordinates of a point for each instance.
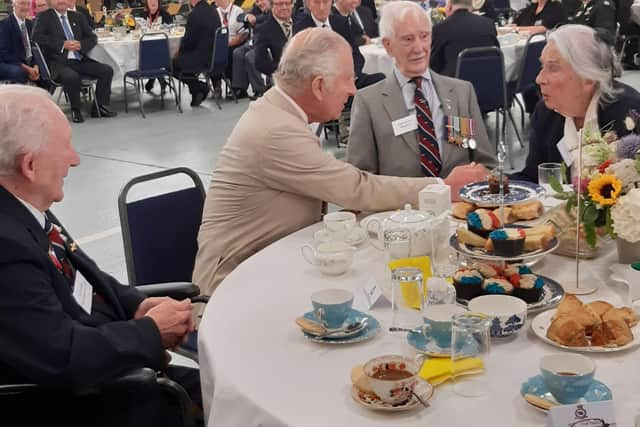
(373, 294)
(588, 414)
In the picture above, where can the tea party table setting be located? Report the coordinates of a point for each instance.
(120, 49)
(259, 368)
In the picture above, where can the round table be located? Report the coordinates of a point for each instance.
(635, 12)
(376, 59)
(122, 55)
(257, 369)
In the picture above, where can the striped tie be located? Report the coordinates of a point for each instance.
(430, 162)
(58, 251)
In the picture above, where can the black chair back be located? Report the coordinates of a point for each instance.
(530, 66)
(502, 6)
(155, 55)
(220, 55)
(484, 68)
(160, 232)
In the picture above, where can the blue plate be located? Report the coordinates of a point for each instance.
(418, 340)
(519, 192)
(535, 385)
(368, 332)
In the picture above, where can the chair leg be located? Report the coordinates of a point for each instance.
(126, 103)
(233, 94)
(139, 95)
(319, 130)
(172, 87)
(521, 118)
(92, 95)
(513, 122)
(212, 89)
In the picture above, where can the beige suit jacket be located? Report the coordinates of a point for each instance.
(270, 181)
(373, 146)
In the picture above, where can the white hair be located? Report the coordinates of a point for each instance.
(310, 53)
(394, 12)
(590, 56)
(24, 123)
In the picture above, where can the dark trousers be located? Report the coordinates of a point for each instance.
(145, 406)
(69, 75)
(244, 69)
(13, 72)
(190, 79)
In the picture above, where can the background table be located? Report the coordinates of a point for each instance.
(376, 59)
(635, 12)
(257, 368)
(122, 55)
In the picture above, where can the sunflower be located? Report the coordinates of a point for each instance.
(604, 189)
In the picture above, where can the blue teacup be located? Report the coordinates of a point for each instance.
(332, 306)
(437, 323)
(567, 376)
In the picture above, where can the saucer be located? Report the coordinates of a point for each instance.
(597, 392)
(418, 340)
(371, 401)
(369, 331)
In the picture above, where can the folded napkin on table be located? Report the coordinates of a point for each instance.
(411, 291)
(439, 370)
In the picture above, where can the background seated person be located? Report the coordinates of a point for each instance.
(41, 6)
(597, 14)
(360, 20)
(461, 30)
(542, 15)
(383, 139)
(66, 39)
(155, 15)
(272, 35)
(579, 92)
(272, 175)
(51, 335)
(238, 35)
(16, 57)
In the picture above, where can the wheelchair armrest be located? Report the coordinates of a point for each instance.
(176, 290)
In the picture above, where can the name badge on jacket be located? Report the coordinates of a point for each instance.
(404, 125)
(83, 292)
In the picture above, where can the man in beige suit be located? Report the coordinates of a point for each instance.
(384, 131)
(272, 176)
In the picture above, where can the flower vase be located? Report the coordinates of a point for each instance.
(628, 252)
(565, 226)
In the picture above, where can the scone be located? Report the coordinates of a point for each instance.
(529, 210)
(460, 210)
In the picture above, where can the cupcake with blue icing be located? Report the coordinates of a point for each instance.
(482, 222)
(507, 242)
(468, 283)
(518, 269)
(530, 288)
(497, 286)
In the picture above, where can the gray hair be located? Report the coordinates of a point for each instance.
(590, 56)
(24, 124)
(395, 12)
(310, 53)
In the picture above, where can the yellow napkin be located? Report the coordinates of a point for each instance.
(411, 291)
(439, 370)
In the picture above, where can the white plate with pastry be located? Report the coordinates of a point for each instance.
(596, 327)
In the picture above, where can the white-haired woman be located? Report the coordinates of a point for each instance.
(579, 91)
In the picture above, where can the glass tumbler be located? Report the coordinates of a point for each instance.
(470, 343)
(547, 171)
(444, 259)
(407, 297)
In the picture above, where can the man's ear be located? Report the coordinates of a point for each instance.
(318, 87)
(27, 166)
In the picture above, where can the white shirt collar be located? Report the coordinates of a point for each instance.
(228, 9)
(19, 21)
(299, 110)
(403, 80)
(39, 216)
(60, 15)
(320, 23)
(571, 133)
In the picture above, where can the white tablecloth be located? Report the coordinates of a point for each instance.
(258, 370)
(376, 59)
(635, 12)
(122, 55)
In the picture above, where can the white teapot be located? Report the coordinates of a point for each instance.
(406, 233)
(332, 258)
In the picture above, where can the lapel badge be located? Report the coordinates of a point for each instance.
(73, 247)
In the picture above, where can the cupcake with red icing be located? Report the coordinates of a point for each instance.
(482, 222)
(529, 288)
(497, 286)
(468, 283)
(507, 242)
(487, 270)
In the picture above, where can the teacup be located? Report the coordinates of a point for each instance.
(437, 323)
(567, 376)
(333, 258)
(339, 226)
(332, 306)
(392, 378)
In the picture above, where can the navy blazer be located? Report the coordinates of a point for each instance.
(547, 129)
(47, 338)
(48, 33)
(269, 43)
(340, 25)
(197, 44)
(459, 31)
(11, 47)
